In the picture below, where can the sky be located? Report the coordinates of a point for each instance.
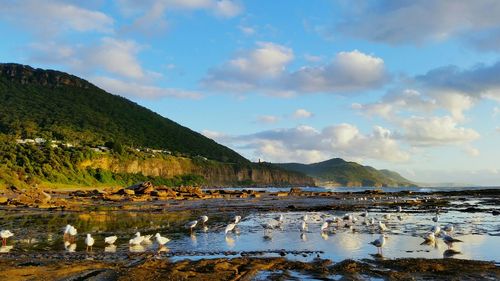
(411, 86)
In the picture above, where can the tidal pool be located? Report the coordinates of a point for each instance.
(41, 232)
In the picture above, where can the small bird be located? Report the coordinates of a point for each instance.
(436, 229)
(430, 237)
(379, 243)
(237, 219)
(161, 240)
(110, 240)
(230, 227)
(190, 225)
(303, 226)
(137, 240)
(435, 218)
(203, 219)
(89, 241)
(4, 234)
(280, 218)
(382, 226)
(449, 228)
(324, 226)
(448, 240)
(305, 217)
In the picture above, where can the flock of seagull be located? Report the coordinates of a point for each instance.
(328, 225)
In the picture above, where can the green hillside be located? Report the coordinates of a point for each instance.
(340, 172)
(55, 105)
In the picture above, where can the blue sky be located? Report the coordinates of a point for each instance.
(406, 85)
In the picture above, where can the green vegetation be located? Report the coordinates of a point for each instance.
(339, 172)
(55, 105)
(30, 164)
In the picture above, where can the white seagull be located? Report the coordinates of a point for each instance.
(203, 219)
(137, 240)
(449, 228)
(110, 240)
(4, 234)
(435, 218)
(448, 239)
(161, 240)
(324, 226)
(230, 227)
(382, 226)
(190, 225)
(436, 229)
(237, 219)
(89, 241)
(430, 237)
(303, 226)
(379, 243)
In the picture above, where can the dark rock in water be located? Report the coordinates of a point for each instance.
(496, 212)
(282, 253)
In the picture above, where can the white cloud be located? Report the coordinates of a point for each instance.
(263, 69)
(302, 113)
(268, 119)
(52, 17)
(435, 131)
(471, 151)
(137, 90)
(420, 21)
(312, 58)
(117, 57)
(247, 30)
(307, 144)
(150, 16)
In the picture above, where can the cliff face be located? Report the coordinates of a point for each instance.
(215, 173)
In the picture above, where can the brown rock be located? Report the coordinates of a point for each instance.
(3, 200)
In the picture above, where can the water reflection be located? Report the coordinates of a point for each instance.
(110, 249)
(229, 241)
(6, 249)
(137, 249)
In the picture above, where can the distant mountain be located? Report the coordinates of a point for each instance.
(338, 172)
(57, 105)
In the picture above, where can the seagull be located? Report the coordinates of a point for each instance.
(400, 209)
(281, 218)
(436, 218)
(229, 227)
(147, 239)
(161, 240)
(4, 234)
(190, 225)
(324, 226)
(303, 226)
(89, 241)
(137, 240)
(203, 219)
(430, 237)
(382, 226)
(66, 231)
(305, 217)
(436, 229)
(110, 240)
(72, 232)
(448, 240)
(237, 219)
(379, 243)
(268, 227)
(449, 228)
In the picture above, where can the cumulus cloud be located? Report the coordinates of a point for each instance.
(421, 21)
(264, 69)
(138, 90)
(302, 113)
(307, 144)
(53, 17)
(435, 131)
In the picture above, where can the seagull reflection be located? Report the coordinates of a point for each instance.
(137, 249)
(324, 235)
(450, 253)
(205, 229)
(6, 249)
(303, 236)
(230, 241)
(69, 247)
(110, 249)
(194, 239)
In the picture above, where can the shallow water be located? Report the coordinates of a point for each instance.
(40, 232)
(361, 189)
